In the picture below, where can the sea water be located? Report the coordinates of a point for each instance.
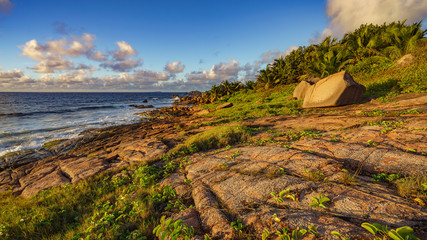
(27, 120)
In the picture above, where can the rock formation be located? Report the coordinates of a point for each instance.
(335, 90)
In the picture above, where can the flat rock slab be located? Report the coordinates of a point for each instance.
(141, 150)
(227, 188)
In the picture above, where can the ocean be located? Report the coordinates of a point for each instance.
(27, 120)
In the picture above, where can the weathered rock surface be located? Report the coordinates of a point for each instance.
(142, 150)
(99, 150)
(301, 89)
(335, 90)
(242, 191)
(225, 188)
(17, 159)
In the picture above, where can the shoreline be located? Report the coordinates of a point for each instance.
(79, 129)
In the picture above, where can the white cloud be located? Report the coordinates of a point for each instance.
(219, 72)
(348, 15)
(123, 65)
(174, 67)
(125, 50)
(55, 55)
(14, 79)
(98, 56)
(52, 64)
(5, 6)
(122, 58)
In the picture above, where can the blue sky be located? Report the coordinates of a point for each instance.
(132, 45)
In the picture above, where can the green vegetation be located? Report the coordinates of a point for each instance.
(318, 201)
(104, 207)
(51, 144)
(287, 234)
(213, 138)
(384, 177)
(283, 194)
(238, 226)
(382, 232)
(173, 229)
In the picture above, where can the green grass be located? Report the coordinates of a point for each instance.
(249, 104)
(103, 207)
(386, 81)
(214, 138)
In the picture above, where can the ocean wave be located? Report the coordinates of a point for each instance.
(18, 114)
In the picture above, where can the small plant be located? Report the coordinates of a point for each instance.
(314, 175)
(275, 218)
(395, 234)
(238, 226)
(312, 230)
(173, 229)
(188, 181)
(223, 166)
(284, 235)
(338, 235)
(372, 143)
(318, 202)
(235, 154)
(285, 193)
(384, 177)
(265, 234)
(347, 178)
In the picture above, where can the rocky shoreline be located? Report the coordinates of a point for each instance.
(331, 143)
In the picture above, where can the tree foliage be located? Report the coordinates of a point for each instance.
(360, 49)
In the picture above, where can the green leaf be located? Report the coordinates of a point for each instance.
(284, 192)
(336, 234)
(295, 235)
(371, 228)
(404, 231)
(324, 199)
(302, 232)
(158, 230)
(164, 235)
(177, 223)
(380, 227)
(394, 235)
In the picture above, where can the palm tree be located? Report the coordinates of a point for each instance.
(402, 39)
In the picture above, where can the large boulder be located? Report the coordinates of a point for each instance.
(404, 61)
(335, 90)
(301, 89)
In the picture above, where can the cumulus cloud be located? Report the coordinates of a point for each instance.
(5, 6)
(268, 57)
(123, 65)
(55, 55)
(98, 56)
(218, 73)
(175, 67)
(125, 50)
(348, 15)
(122, 60)
(14, 79)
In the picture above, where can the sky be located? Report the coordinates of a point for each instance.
(170, 46)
